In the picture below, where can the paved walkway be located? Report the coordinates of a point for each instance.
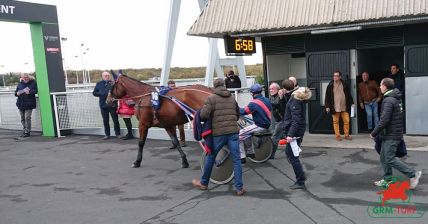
(360, 141)
(83, 179)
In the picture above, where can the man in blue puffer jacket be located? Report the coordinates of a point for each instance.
(260, 108)
(26, 92)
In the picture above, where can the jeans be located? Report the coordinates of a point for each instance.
(278, 133)
(371, 111)
(295, 163)
(104, 113)
(26, 120)
(232, 141)
(389, 161)
(345, 118)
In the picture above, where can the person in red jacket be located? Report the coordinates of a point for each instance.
(126, 110)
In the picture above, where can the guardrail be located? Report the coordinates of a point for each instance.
(9, 113)
(76, 110)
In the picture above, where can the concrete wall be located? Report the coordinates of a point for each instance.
(280, 67)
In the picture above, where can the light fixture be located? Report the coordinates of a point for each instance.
(336, 30)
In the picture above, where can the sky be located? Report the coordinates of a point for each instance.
(118, 34)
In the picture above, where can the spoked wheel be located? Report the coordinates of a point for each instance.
(264, 151)
(222, 171)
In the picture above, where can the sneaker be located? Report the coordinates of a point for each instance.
(197, 183)
(415, 180)
(183, 144)
(241, 192)
(338, 138)
(26, 135)
(106, 137)
(173, 147)
(382, 183)
(296, 186)
(348, 138)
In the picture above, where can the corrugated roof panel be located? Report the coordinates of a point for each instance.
(238, 16)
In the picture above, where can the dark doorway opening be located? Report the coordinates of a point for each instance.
(377, 63)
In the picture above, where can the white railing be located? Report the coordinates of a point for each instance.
(77, 110)
(9, 113)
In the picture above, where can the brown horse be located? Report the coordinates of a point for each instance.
(168, 116)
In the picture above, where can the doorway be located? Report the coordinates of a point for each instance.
(377, 63)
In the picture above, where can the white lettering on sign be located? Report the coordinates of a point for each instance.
(7, 9)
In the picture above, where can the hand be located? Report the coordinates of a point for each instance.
(377, 100)
(281, 93)
(241, 122)
(327, 109)
(362, 105)
(289, 139)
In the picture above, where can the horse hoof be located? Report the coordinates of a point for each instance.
(135, 165)
(185, 165)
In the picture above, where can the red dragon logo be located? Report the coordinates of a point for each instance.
(397, 190)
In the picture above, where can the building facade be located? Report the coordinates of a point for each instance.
(312, 39)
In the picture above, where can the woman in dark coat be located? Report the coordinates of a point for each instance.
(26, 92)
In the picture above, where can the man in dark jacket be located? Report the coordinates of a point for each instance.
(390, 128)
(398, 77)
(26, 92)
(260, 108)
(294, 127)
(102, 90)
(223, 110)
(232, 80)
(338, 102)
(277, 113)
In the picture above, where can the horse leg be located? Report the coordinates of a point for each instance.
(141, 142)
(173, 135)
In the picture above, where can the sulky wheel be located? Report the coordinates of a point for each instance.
(222, 171)
(264, 149)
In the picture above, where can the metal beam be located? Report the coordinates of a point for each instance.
(170, 38)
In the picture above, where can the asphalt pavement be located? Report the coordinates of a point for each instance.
(83, 179)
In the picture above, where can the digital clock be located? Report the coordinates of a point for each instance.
(239, 45)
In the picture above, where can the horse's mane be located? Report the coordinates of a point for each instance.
(137, 81)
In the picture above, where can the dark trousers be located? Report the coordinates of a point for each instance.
(295, 163)
(104, 113)
(128, 125)
(389, 161)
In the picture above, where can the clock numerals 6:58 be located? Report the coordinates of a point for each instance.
(243, 45)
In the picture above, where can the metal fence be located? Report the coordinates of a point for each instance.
(9, 113)
(77, 110)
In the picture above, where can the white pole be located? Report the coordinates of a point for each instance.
(58, 131)
(63, 39)
(170, 37)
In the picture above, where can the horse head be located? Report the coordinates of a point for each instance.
(118, 90)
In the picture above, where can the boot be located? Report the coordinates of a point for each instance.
(127, 136)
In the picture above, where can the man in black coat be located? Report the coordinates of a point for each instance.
(390, 128)
(26, 92)
(294, 128)
(101, 90)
